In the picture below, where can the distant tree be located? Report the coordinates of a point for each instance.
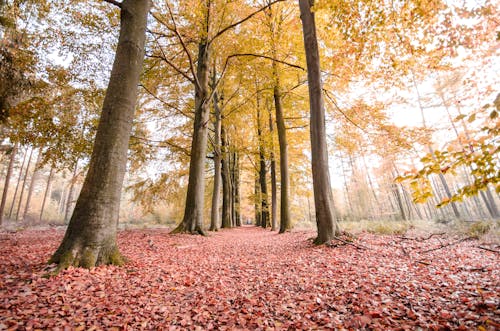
(90, 239)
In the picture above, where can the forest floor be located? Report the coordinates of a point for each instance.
(252, 279)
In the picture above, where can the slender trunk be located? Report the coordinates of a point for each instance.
(323, 198)
(46, 194)
(399, 200)
(226, 183)
(274, 188)
(7, 181)
(23, 185)
(492, 204)
(264, 221)
(32, 185)
(431, 151)
(257, 200)
(214, 216)
(285, 220)
(69, 198)
(18, 183)
(90, 238)
(237, 190)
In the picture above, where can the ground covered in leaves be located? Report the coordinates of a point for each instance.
(252, 279)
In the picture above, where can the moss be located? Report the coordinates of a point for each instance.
(88, 258)
(116, 258)
(479, 229)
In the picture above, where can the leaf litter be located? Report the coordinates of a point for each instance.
(251, 279)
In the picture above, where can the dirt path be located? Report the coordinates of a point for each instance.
(249, 279)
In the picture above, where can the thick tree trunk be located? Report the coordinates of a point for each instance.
(23, 186)
(214, 216)
(226, 183)
(34, 177)
(192, 221)
(46, 194)
(323, 197)
(90, 238)
(8, 176)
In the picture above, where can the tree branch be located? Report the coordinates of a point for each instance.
(231, 26)
(113, 2)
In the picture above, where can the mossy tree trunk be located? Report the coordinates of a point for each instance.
(323, 197)
(90, 238)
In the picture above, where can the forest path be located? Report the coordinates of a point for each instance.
(252, 279)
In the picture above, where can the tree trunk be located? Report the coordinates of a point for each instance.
(46, 194)
(285, 222)
(18, 183)
(444, 183)
(192, 221)
(274, 189)
(23, 186)
(32, 185)
(236, 192)
(264, 210)
(323, 197)
(226, 183)
(90, 238)
(257, 200)
(7, 181)
(214, 216)
(69, 197)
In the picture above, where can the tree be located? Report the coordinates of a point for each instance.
(323, 197)
(90, 238)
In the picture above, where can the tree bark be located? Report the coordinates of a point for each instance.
(264, 209)
(90, 238)
(34, 177)
(23, 185)
(214, 216)
(192, 221)
(46, 194)
(323, 197)
(18, 183)
(237, 189)
(285, 221)
(274, 189)
(226, 183)
(7, 181)
(69, 197)
(257, 200)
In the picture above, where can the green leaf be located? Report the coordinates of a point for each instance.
(494, 114)
(471, 118)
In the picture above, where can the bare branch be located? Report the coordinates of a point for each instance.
(231, 26)
(267, 57)
(181, 40)
(113, 2)
(340, 111)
